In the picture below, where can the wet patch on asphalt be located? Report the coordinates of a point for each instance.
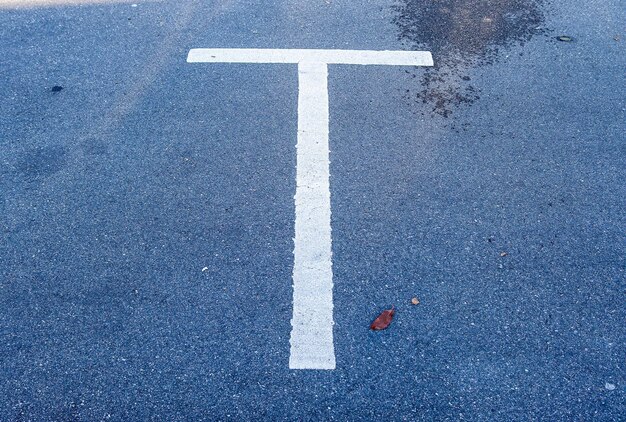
(42, 162)
(462, 34)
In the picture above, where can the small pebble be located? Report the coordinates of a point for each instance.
(609, 386)
(57, 88)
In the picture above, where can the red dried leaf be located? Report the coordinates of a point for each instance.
(383, 320)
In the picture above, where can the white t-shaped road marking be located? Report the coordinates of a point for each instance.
(312, 345)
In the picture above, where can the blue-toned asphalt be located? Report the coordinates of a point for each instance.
(146, 214)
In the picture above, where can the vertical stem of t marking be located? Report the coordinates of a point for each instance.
(312, 324)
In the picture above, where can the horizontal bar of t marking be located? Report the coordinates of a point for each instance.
(312, 345)
(260, 55)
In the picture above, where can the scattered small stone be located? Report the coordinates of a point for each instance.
(565, 38)
(503, 253)
(57, 88)
(415, 301)
(609, 386)
(205, 269)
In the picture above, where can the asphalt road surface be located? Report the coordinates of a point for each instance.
(147, 212)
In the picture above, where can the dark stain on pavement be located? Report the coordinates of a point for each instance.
(462, 34)
(42, 161)
(94, 147)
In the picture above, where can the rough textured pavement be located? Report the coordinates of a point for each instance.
(146, 212)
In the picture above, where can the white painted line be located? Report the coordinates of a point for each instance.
(312, 345)
(312, 324)
(363, 57)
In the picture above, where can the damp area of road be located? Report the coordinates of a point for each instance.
(462, 34)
